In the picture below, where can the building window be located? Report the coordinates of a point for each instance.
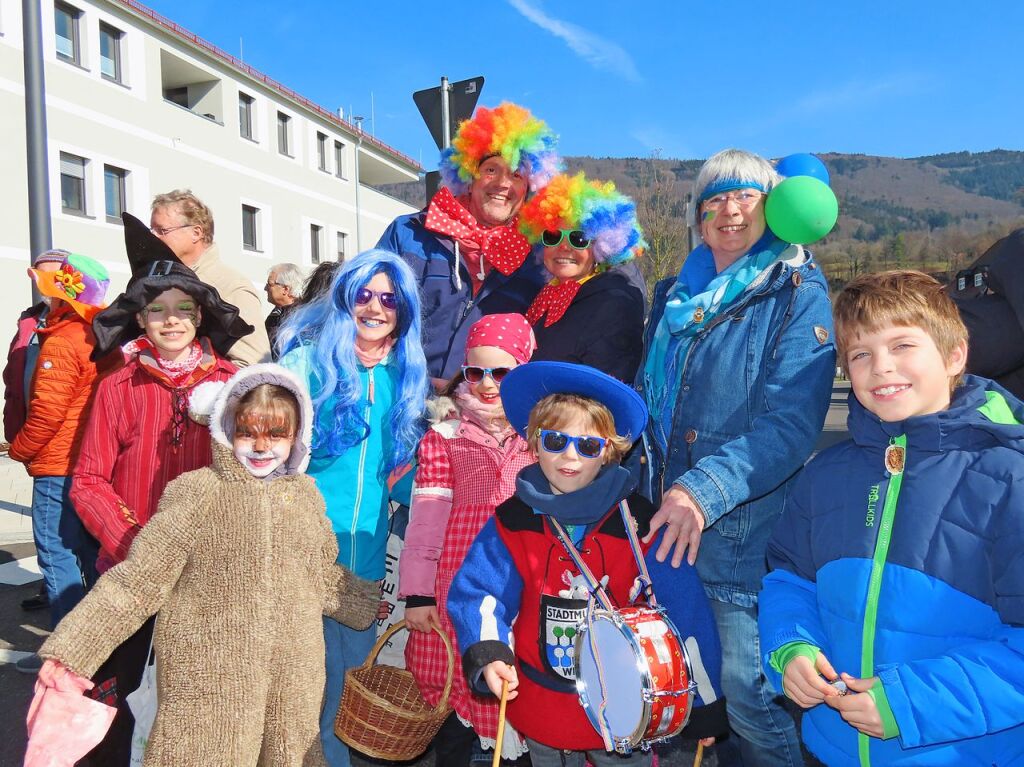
(177, 96)
(190, 87)
(114, 191)
(245, 109)
(72, 183)
(250, 227)
(110, 52)
(316, 234)
(342, 237)
(339, 159)
(66, 20)
(284, 134)
(321, 150)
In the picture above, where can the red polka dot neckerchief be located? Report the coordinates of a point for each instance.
(502, 247)
(554, 299)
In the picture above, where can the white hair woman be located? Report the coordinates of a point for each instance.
(737, 375)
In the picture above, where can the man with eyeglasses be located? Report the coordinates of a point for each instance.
(283, 289)
(185, 224)
(465, 248)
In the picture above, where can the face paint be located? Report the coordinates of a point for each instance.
(708, 215)
(262, 444)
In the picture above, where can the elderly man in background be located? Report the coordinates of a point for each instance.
(185, 223)
(284, 289)
(465, 248)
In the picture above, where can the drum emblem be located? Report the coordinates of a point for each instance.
(560, 622)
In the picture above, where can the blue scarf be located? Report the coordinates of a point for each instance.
(690, 308)
(580, 507)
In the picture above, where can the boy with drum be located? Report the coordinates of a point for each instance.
(562, 555)
(899, 558)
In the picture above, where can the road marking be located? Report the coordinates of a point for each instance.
(20, 572)
(13, 656)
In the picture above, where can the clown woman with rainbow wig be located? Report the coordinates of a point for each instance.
(589, 312)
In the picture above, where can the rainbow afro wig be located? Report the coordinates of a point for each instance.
(606, 216)
(509, 131)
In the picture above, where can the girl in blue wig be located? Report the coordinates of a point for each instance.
(358, 349)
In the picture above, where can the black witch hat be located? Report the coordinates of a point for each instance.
(155, 269)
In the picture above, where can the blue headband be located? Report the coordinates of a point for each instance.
(727, 185)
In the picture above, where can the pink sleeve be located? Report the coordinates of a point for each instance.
(428, 519)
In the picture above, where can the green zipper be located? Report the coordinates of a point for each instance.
(867, 652)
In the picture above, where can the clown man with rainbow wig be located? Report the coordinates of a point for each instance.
(465, 248)
(591, 312)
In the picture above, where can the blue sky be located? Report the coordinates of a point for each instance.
(629, 78)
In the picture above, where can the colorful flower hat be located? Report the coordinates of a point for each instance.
(606, 216)
(509, 131)
(80, 280)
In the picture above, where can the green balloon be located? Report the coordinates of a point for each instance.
(801, 210)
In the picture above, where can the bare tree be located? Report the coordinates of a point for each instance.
(661, 211)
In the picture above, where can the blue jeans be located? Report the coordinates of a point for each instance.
(346, 648)
(763, 730)
(65, 551)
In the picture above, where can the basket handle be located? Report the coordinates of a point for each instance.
(382, 640)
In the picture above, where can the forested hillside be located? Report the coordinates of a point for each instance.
(936, 213)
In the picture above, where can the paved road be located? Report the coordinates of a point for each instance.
(22, 632)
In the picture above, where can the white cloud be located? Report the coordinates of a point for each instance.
(667, 144)
(858, 93)
(594, 49)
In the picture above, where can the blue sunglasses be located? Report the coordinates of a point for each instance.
(558, 442)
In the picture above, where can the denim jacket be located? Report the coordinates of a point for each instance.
(749, 405)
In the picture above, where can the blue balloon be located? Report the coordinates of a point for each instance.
(802, 165)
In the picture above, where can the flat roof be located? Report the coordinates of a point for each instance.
(235, 63)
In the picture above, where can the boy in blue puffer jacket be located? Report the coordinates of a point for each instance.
(899, 559)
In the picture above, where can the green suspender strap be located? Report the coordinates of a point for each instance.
(895, 461)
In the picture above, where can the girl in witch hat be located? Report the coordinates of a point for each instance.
(174, 332)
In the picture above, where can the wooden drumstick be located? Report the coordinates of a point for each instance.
(700, 754)
(501, 723)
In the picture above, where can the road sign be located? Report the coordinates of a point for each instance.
(462, 98)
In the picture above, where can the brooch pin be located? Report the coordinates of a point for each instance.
(895, 457)
(698, 315)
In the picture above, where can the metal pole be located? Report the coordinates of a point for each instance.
(39, 226)
(446, 114)
(359, 142)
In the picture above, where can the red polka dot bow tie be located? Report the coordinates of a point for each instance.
(502, 247)
(554, 298)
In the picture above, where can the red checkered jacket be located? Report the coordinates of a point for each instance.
(464, 473)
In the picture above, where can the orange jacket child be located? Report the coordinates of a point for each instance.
(58, 400)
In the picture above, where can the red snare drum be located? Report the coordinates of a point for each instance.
(633, 676)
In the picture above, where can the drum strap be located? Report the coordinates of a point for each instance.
(596, 589)
(646, 586)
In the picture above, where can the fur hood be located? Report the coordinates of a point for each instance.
(216, 403)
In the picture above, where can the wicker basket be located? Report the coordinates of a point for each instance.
(382, 713)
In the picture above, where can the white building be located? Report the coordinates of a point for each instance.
(137, 105)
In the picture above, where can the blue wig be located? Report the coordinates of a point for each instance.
(327, 327)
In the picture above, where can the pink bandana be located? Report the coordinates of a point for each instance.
(509, 332)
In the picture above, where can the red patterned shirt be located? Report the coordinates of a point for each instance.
(127, 455)
(459, 461)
